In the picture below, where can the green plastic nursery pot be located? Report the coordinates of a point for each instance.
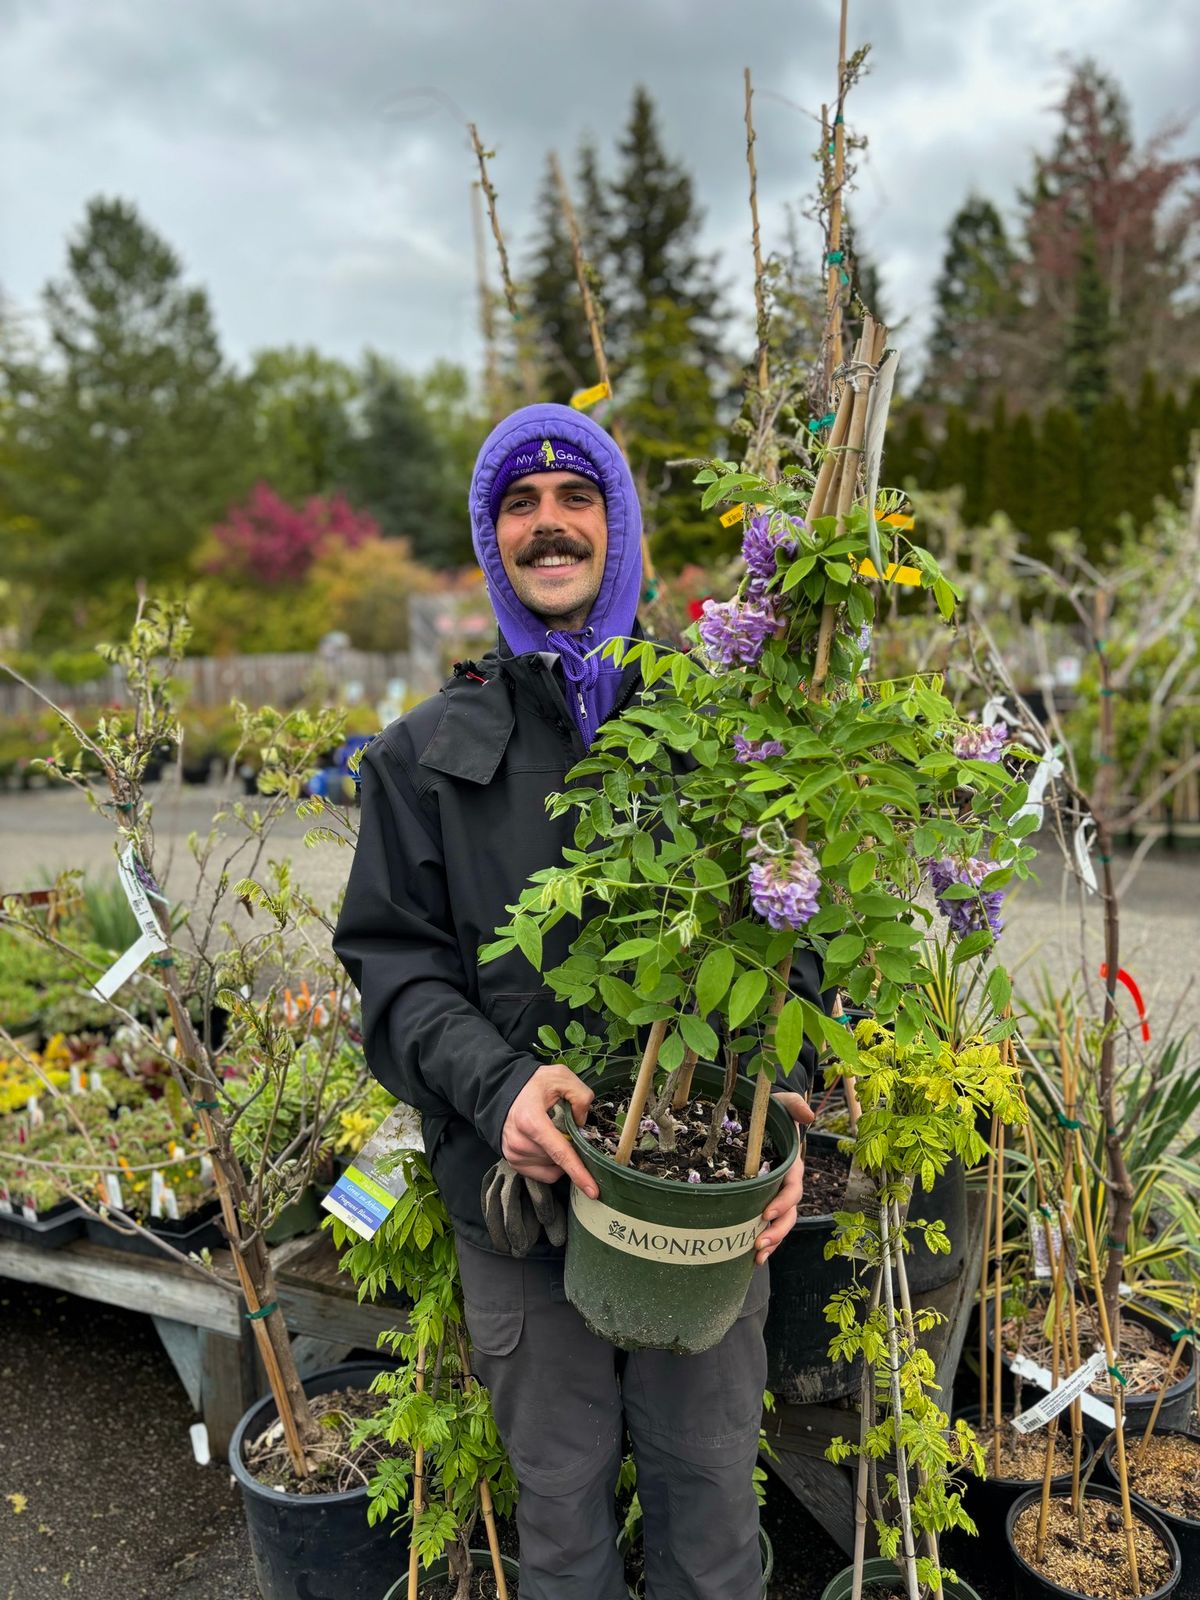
(764, 1545)
(302, 1216)
(660, 1265)
(877, 1570)
(440, 1571)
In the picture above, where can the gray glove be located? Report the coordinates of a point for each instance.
(518, 1209)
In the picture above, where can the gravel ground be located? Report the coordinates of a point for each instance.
(49, 831)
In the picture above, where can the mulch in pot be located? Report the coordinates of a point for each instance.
(825, 1172)
(1023, 1455)
(1166, 1472)
(1095, 1564)
(603, 1130)
(339, 1467)
(1145, 1352)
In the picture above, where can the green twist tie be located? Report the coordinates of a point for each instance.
(835, 256)
(844, 276)
(162, 961)
(1107, 692)
(650, 592)
(1047, 1213)
(124, 805)
(846, 1022)
(1185, 1333)
(1118, 1375)
(831, 148)
(1113, 1244)
(838, 120)
(265, 1311)
(1107, 860)
(206, 1105)
(817, 423)
(1067, 1122)
(1112, 1132)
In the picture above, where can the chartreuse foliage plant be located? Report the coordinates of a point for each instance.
(920, 1102)
(434, 1411)
(765, 794)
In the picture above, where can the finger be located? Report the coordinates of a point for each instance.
(559, 1150)
(538, 1168)
(790, 1191)
(578, 1096)
(771, 1238)
(797, 1107)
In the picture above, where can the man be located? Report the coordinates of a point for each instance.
(453, 824)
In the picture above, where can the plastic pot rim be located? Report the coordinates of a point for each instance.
(876, 1567)
(595, 1077)
(257, 1418)
(1095, 1491)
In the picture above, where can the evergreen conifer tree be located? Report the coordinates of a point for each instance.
(976, 305)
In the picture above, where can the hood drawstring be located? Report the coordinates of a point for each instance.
(581, 669)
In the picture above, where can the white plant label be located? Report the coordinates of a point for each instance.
(1043, 1265)
(156, 1193)
(76, 1076)
(29, 1212)
(1085, 835)
(366, 1193)
(95, 1083)
(657, 1241)
(36, 1116)
(1071, 1388)
(139, 889)
(170, 1204)
(112, 1190)
(124, 967)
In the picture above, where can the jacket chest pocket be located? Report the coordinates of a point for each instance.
(517, 1017)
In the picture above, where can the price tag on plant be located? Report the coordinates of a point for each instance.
(364, 1195)
(1043, 1258)
(139, 889)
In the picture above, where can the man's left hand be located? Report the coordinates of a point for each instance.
(781, 1213)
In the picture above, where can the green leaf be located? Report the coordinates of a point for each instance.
(845, 948)
(798, 570)
(862, 870)
(836, 851)
(789, 1034)
(618, 996)
(529, 937)
(895, 964)
(999, 988)
(698, 1036)
(671, 1054)
(839, 1041)
(839, 571)
(973, 945)
(713, 979)
(747, 992)
(631, 949)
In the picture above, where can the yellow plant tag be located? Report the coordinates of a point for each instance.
(734, 514)
(898, 520)
(584, 398)
(893, 573)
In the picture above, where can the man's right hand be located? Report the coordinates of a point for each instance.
(532, 1144)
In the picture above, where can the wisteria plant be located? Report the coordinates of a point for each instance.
(764, 795)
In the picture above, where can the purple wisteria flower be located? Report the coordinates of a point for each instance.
(981, 742)
(648, 1125)
(693, 1176)
(731, 1127)
(967, 916)
(784, 883)
(755, 749)
(761, 544)
(736, 630)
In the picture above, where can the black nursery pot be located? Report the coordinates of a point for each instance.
(195, 1231)
(1029, 1584)
(1177, 1402)
(987, 1500)
(799, 1367)
(1185, 1530)
(315, 1546)
(945, 1202)
(48, 1230)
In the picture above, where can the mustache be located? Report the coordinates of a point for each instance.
(554, 545)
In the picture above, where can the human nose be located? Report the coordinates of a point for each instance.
(549, 517)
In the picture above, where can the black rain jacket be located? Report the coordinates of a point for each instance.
(453, 824)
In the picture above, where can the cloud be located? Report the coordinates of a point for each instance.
(310, 162)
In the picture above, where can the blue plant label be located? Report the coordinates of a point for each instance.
(366, 1193)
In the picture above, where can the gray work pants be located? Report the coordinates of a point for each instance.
(560, 1400)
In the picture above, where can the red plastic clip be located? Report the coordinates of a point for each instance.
(1123, 977)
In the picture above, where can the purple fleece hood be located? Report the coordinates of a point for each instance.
(592, 683)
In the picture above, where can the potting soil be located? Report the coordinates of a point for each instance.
(1096, 1565)
(825, 1172)
(483, 1587)
(1145, 1352)
(338, 1466)
(603, 1129)
(1023, 1456)
(1166, 1472)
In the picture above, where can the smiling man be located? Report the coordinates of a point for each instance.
(454, 823)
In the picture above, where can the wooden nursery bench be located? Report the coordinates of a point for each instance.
(200, 1323)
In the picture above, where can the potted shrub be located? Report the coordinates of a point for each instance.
(444, 1468)
(757, 800)
(221, 957)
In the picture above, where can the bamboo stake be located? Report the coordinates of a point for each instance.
(866, 1411)
(418, 1500)
(1068, 1216)
(906, 1528)
(1058, 1338)
(486, 1504)
(487, 309)
(833, 298)
(1110, 1355)
(997, 1300)
(761, 325)
(641, 1092)
(1176, 1354)
(766, 1078)
(528, 379)
(985, 1265)
(910, 1329)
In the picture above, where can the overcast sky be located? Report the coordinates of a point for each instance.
(292, 152)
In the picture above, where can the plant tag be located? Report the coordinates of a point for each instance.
(124, 967)
(734, 514)
(365, 1194)
(861, 1194)
(1072, 1388)
(879, 401)
(1043, 1261)
(583, 398)
(112, 1191)
(170, 1204)
(156, 1193)
(95, 1082)
(1085, 834)
(29, 1212)
(36, 1115)
(76, 1075)
(198, 1434)
(140, 888)
(206, 1167)
(5, 1203)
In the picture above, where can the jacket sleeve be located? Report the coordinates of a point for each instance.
(424, 1039)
